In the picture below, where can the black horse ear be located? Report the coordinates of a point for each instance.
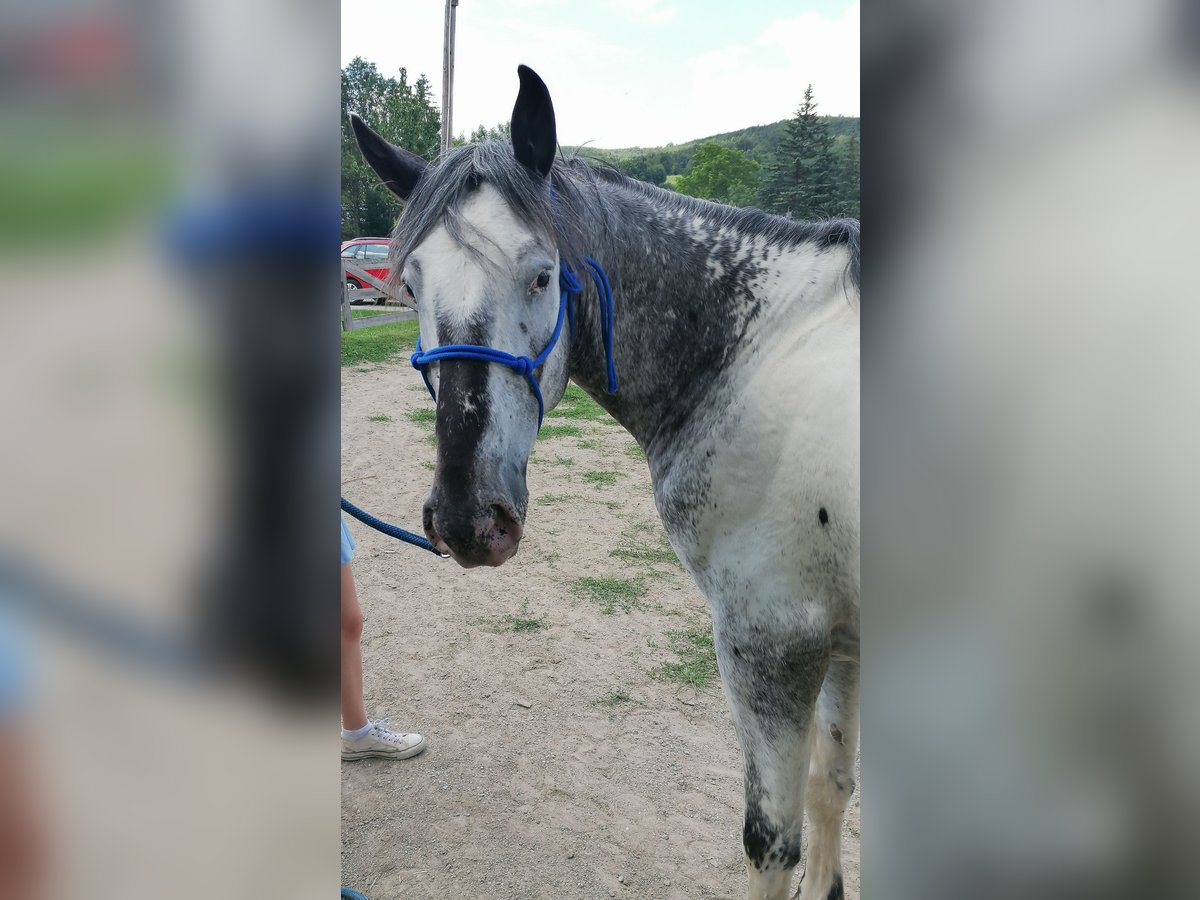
(533, 133)
(398, 169)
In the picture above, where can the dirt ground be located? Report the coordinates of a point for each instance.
(564, 760)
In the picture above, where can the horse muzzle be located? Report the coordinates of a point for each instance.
(483, 536)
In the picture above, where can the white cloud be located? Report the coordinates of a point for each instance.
(645, 12)
(764, 82)
(606, 90)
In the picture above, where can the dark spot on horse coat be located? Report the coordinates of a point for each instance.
(836, 891)
(836, 733)
(524, 328)
(823, 516)
(763, 842)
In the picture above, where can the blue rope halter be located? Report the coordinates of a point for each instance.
(569, 288)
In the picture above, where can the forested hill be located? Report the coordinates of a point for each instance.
(805, 167)
(760, 143)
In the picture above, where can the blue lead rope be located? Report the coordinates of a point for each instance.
(569, 289)
(390, 530)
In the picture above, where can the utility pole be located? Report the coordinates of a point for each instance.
(448, 76)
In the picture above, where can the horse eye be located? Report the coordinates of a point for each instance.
(541, 281)
(408, 290)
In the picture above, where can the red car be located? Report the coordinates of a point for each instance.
(370, 253)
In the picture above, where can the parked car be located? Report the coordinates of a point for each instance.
(370, 253)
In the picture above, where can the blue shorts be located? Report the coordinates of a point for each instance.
(14, 671)
(348, 544)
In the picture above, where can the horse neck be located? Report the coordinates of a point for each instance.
(689, 285)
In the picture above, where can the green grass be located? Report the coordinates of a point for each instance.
(696, 665)
(367, 313)
(553, 498)
(423, 416)
(612, 593)
(633, 451)
(378, 344)
(575, 404)
(564, 461)
(601, 479)
(379, 418)
(586, 445)
(556, 431)
(646, 553)
(616, 698)
(524, 621)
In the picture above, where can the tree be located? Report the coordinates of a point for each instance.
(722, 174)
(646, 167)
(402, 113)
(501, 132)
(802, 182)
(848, 180)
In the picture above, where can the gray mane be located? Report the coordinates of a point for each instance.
(581, 205)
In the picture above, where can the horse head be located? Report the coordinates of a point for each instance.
(476, 250)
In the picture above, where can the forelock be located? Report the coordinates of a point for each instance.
(441, 196)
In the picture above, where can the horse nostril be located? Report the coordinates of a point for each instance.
(436, 539)
(505, 529)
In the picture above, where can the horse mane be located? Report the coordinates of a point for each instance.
(577, 204)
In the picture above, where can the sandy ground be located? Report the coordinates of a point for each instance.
(561, 762)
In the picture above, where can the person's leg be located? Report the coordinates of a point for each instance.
(354, 713)
(362, 738)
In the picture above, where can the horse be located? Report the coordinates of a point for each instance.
(726, 341)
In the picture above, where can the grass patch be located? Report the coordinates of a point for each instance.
(601, 479)
(564, 461)
(367, 313)
(428, 465)
(646, 553)
(615, 698)
(524, 621)
(612, 593)
(379, 343)
(588, 444)
(557, 431)
(696, 665)
(379, 418)
(553, 498)
(633, 451)
(423, 416)
(576, 404)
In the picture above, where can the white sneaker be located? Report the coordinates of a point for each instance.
(383, 743)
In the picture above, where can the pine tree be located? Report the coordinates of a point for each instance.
(802, 182)
(849, 183)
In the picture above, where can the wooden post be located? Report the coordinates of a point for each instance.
(347, 315)
(448, 76)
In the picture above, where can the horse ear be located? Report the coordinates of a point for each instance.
(533, 133)
(398, 169)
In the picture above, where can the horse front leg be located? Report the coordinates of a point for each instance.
(772, 679)
(831, 775)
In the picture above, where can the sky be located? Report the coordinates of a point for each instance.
(623, 73)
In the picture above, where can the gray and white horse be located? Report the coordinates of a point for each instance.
(736, 344)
